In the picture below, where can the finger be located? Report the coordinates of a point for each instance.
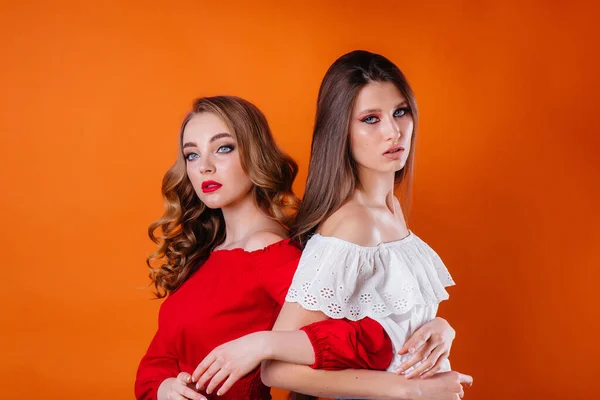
(420, 355)
(188, 393)
(228, 384)
(465, 379)
(431, 372)
(417, 340)
(216, 380)
(207, 376)
(184, 377)
(203, 366)
(425, 365)
(437, 357)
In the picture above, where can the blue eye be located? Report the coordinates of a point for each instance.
(225, 149)
(191, 156)
(370, 119)
(401, 112)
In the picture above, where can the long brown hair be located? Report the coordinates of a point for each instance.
(189, 230)
(332, 174)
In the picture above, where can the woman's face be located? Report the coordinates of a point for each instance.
(381, 128)
(213, 161)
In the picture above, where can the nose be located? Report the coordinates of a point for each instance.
(393, 130)
(206, 166)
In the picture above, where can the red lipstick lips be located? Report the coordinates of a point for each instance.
(210, 186)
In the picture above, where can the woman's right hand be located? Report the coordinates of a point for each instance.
(179, 388)
(442, 386)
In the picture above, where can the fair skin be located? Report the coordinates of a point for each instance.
(211, 153)
(381, 132)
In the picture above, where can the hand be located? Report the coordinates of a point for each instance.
(179, 388)
(231, 361)
(431, 345)
(442, 386)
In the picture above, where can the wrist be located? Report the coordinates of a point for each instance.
(268, 348)
(409, 389)
(163, 389)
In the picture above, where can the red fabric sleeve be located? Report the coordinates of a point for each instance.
(158, 364)
(343, 344)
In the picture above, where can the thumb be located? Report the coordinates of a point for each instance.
(404, 349)
(465, 379)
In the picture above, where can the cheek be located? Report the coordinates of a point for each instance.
(408, 127)
(193, 176)
(363, 144)
(234, 172)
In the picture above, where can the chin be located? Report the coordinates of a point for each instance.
(400, 167)
(213, 204)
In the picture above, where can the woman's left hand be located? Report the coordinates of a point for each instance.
(230, 362)
(431, 345)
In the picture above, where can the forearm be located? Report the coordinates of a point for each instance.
(374, 385)
(289, 346)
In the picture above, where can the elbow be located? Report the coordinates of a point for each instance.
(267, 373)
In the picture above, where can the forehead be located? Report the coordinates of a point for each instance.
(204, 126)
(378, 95)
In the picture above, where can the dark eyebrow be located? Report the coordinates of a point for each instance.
(212, 139)
(374, 110)
(219, 136)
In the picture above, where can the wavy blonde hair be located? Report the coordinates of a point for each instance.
(189, 230)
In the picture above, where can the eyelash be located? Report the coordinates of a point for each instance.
(229, 147)
(188, 157)
(405, 110)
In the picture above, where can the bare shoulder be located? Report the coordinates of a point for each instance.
(352, 223)
(261, 239)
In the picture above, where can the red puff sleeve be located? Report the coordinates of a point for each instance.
(158, 364)
(343, 344)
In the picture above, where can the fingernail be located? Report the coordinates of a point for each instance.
(188, 379)
(399, 370)
(411, 350)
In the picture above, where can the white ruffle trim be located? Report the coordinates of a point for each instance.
(345, 280)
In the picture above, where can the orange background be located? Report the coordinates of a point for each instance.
(506, 181)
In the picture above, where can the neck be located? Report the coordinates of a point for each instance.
(242, 218)
(376, 189)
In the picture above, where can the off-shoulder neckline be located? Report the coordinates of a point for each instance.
(239, 250)
(398, 242)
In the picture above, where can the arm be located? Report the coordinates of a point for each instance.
(157, 365)
(342, 344)
(352, 383)
(374, 385)
(333, 384)
(348, 383)
(158, 376)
